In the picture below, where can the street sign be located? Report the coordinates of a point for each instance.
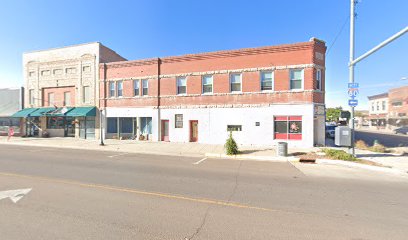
(352, 102)
(353, 92)
(353, 85)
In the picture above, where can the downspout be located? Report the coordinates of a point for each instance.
(158, 100)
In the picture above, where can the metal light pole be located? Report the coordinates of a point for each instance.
(101, 128)
(351, 69)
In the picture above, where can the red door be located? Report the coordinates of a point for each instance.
(193, 131)
(165, 130)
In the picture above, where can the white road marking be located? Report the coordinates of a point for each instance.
(198, 162)
(14, 195)
(117, 155)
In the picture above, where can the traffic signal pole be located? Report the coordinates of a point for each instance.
(353, 62)
(351, 69)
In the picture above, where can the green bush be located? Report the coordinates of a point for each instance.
(339, 154)
(378, 148)
(231, 146)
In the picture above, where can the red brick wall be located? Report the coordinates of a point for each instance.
(276, 56)
(58, 96)
(398, 94)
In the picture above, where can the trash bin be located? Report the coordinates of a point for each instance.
(282, 149)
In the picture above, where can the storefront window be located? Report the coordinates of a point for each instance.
(126, 125)
(146, 125)
(288, 127)
(55, 122)
(112, 125)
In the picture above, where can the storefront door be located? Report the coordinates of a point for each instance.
(165, 130)
(69, 127)
(194, 131)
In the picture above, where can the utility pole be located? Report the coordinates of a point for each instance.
(101, 128)
(351, 69)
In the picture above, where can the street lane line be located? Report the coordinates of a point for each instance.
(141, 192)
(117, 155)
(198, 162)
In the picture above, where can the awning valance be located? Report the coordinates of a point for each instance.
(24, 112)
(82, 112)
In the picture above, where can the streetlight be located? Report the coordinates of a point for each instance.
(100, 128)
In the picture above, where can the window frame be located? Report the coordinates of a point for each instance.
(240, 82)
(273, 81)
(134, 87)
(67, 103)
(49, 98)
(86, 94)
(145, 87)
(319, 79)
(119, 88)
(31, 96)
(302, 80)
(178, 121)
(212, 84)
(288, 135)
(234, 128)
(112, 84)
(178, 86)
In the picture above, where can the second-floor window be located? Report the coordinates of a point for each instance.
(266, 81)
(383, 105)
(378, 106)
(181, 85)
(71, 70)
(207, 84)
(120, 89)
(67, 98)
(372, 107)
(50, 99)
(111, 89)
(86, 93)
(319, 79)
(31, 96)
(136, 88)
(145, 86)
(296, 79)
(235, 82)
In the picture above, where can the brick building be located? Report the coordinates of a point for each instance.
(390, 109)
(62, 90)
(263, 95)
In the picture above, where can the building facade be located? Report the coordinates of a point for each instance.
(62, 90)
(389, 110)
(10, 102)
(262, 95)
(378, 110)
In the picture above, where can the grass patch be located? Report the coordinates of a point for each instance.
(339, 155)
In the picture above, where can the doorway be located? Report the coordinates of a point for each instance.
(193, 131)
(165, 130)
(69, 130)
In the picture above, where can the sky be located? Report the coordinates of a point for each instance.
(153, 28)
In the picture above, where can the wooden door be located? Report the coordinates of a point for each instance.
(194, 131)
(165, 130)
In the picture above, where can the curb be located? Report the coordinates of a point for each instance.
(362, 166)
(255, 158)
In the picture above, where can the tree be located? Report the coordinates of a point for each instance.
(231, 146)
(333, 114)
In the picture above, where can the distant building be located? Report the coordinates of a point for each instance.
(389, 110)
(10, 102)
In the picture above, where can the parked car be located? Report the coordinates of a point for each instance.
(330, 129)
(402, 130)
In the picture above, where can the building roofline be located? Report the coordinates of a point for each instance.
(68, 46)
(381, 95)
(224, 53)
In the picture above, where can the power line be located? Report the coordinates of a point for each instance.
(338, 34)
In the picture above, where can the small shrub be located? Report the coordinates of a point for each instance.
(360, 144)
(339, 154)
(378, 148)
(231, 146)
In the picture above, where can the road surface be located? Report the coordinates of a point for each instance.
(388, 140)
(77, 194)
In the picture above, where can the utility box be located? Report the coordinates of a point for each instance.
(342, 136)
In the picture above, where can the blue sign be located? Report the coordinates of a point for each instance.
(353, 92)
(353, 85)
(353, 102)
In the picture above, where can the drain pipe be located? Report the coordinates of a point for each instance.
(158, 101)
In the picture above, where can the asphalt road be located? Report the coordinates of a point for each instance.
(388, 140)
(80, 194)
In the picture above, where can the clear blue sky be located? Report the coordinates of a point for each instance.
(144, 29)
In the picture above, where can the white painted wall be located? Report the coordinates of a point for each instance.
(212, 123)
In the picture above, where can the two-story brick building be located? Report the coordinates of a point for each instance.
(62, 90)
(263, 95)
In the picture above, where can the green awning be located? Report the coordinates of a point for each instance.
(41, 112)
(82, 112)
(24, 112)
